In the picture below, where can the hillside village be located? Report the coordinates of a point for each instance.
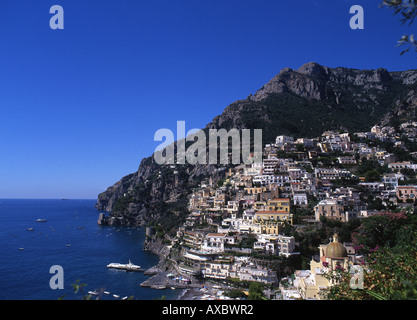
(248, 226)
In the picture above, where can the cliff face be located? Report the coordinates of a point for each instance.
(154, 193)
(302, 102)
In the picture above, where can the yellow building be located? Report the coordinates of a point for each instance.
(311, 282)
(331, 209)
(271, 222)
(280, 204)
(259, 205)
(254, 190)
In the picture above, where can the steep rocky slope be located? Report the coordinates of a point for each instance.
(302, 102)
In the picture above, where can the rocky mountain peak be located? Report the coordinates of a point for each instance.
(314, 69)
(305, 82)
(314, 81)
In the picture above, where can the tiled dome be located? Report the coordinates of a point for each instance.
(336, 249)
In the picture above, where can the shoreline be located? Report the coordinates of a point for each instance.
(196, 290)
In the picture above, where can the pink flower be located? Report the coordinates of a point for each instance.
(374, 249)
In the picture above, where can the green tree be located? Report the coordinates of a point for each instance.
(372, 176)
(256, 291)
(408, 10)
(387, 229)
(389, 274)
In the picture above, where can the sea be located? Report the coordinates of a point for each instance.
(71, 239)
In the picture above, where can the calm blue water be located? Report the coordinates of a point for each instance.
(24, 274)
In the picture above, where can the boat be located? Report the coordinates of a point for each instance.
(106, 292)
(124, 298)
(95, 293)
(30, 229)
(41, 220)
(128, 267)
(68, 245)
(159, 287)
(116, 296)
(21, 248)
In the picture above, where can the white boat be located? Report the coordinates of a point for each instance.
(41, 220)
(106, 292)
(116, 296)
(95, 293)
(128, 267)
(159, 287)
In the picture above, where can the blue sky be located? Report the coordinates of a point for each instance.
(80, 106)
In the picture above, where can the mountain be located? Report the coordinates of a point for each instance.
(302, 103)
(315, 98)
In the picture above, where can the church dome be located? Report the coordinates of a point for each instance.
(336, 249)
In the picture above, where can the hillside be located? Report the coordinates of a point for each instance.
(302, 103)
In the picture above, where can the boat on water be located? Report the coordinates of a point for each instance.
(128, 267)
(116, 296)
(30, 229)
(159, 287)
(95, 293)
(41, 220)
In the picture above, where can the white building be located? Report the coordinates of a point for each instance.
(331, 173)
(300, 198)
(281, 140)
(214, 242)
(397, 166)
(258, 274)
(267, 179)
(244, 224)
(390, 180)
(253, 170)
(275, 244)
